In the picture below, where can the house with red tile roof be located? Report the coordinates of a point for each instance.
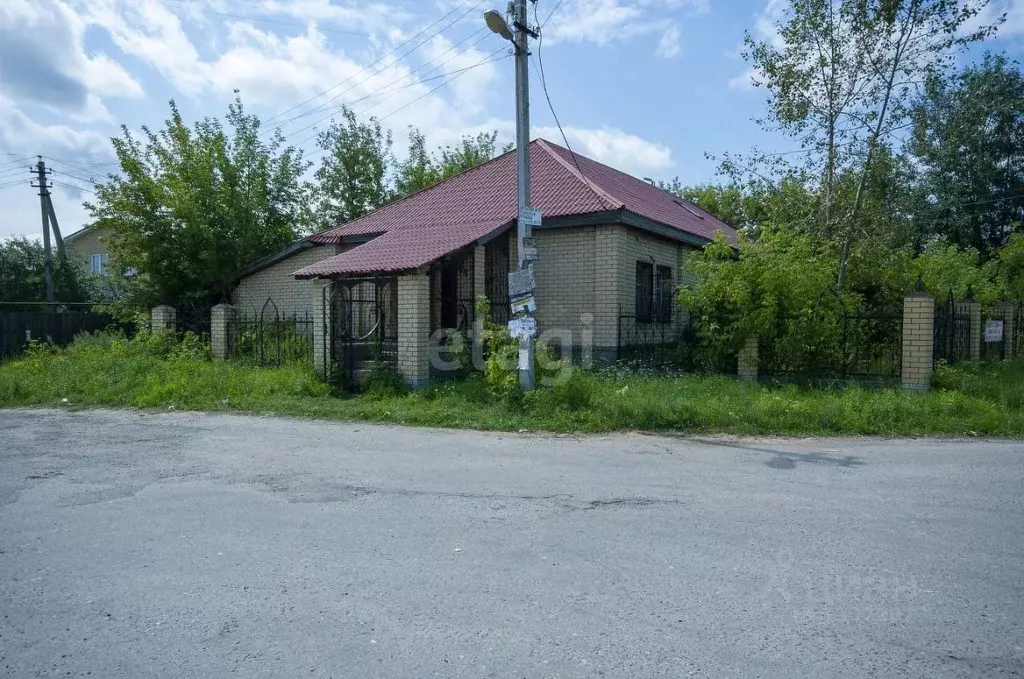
(612, 249)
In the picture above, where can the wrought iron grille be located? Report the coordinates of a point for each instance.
(270, 338)
(1017, 342)
(496, 270)
(452, 303)
(364, 325)
(194, 317)
(951, 332)
(645, 341)
(834, 348)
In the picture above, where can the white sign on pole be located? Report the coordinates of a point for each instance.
(994, 331)
(530, 216)
(522, 328)
(530, 249)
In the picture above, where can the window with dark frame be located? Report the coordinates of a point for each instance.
(644, 292)
(663, 295)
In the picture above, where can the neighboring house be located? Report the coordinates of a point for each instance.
(612, 251)
(89, 246)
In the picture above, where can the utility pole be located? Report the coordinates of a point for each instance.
(44, 209)
(527, 379)
(522, 291)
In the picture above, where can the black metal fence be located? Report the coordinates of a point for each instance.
(995, 350)
(822, 348)
(951, 340)
(1017, 339)
(645, 341)
(22, 323)
(194, 317)
(271, 338)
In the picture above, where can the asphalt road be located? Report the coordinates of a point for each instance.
(185, 545)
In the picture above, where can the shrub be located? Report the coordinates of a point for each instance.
(383, 380)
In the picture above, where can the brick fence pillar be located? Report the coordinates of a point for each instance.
(321, 331)
(748, 359)
(972, 309)
(918, 341)
(414, 328)
(223, 325)
(162, 318)
(1007, 310)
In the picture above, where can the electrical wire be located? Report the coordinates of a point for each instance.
(63, 173)
(249, 17)
(371, 65)
(73, 186)
(544, 86)
(454, 75)
(324, 106)
(390, 92)
(12, 183)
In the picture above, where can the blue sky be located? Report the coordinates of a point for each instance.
(648, 86)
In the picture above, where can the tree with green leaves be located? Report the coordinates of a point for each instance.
(969, 141)
(190, 205)
(422, 169)
(21, 275)
(353, 175)
(843, 77)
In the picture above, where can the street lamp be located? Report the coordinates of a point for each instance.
(497, 24)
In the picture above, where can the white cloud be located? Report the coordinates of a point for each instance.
(669, 45)
(743, 81)
(43, 61)
(605, 21)
(621, 150)
(765, 28)
(1014, 11)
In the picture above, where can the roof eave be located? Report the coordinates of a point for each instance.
(627, 218)
(271, 259)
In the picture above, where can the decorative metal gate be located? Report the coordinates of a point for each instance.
(951, 332)
(1017, 341)
(271, 338)
(452, 302)
(364, 325)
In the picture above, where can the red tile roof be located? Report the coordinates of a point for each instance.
(431, 223)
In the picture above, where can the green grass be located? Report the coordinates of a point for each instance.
(153, 372)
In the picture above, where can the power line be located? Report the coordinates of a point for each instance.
(249, 17)
(64, 173)
(323, 106)
(73, 186)
(12, 183)
(371, 65)
(544, 86)
(390, 92)
(454, 75)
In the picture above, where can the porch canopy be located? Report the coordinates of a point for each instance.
(481, 202)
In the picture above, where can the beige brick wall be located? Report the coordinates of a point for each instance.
(89, 243)
(592, 270)
(565, 278)
(292, 297)
(918, 340)
(414, 328)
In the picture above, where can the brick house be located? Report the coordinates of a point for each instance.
(612, 250)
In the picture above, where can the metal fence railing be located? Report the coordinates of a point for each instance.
(270, 338)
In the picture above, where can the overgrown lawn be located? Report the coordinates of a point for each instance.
(156, 372)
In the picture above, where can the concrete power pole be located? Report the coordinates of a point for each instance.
(522, 292)
(527, 379)
(44, 208)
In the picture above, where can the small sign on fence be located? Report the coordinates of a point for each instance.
(994, 330)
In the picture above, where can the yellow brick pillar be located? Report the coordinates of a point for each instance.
(605, 329)
(162, 318)
(1007, 311)
(746, 367)
(414, 328)
(918, 341)
(972, 309)
(322, 308)
(223, 320)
